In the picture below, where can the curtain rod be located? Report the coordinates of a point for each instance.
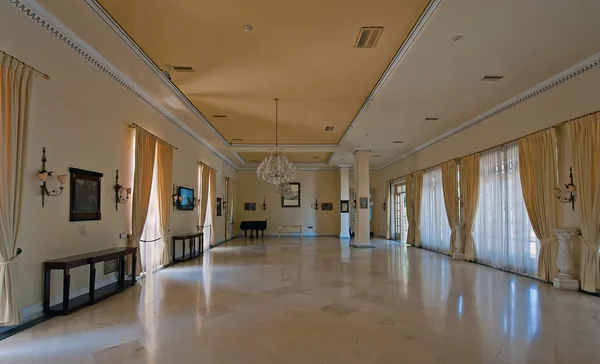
(44, 76)
(136, 126)
(207, 166)
(557, 125)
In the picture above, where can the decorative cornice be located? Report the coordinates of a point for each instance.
(414, 33)
(556, 80)
(55, 27)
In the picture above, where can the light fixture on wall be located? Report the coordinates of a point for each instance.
(224, 202)
(122, 193)
(353, 204)
(384, 205)
(176, 198)
(276, 168)
(45, 176)
(264, 205)
(315, 205)
(570, 187)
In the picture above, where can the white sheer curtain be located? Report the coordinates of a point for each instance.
(435, 231)
(503, 235)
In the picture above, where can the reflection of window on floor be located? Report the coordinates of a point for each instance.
(151, 245)
(400, 218)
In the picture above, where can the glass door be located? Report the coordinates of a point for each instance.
(400, 218)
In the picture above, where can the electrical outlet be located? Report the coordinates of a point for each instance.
(310, 227)
(123, 236)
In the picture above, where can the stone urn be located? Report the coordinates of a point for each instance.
(564, 261)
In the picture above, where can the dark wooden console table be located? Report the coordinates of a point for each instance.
(192, 239)
(94, 295)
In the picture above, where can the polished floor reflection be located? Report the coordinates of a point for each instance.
(318, 301)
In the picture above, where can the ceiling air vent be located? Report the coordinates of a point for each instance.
(492, 78)
(329, 128)
(315, 157)
(219, 116)
(432, 119)
(237, 140)
(398, 141)
(376, 156)
(368, 37)
(183, 69)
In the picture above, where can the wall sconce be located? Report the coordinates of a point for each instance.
(384, 205)
(122, 194)
(45, 175)
(315, 205)
(264, 205)
(570, 187)
(353, 204)
(176, 198)
(224, 202)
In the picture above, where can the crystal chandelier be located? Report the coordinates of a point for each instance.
(276, 168)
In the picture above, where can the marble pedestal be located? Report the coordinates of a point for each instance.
(459, 246)
(564, 261)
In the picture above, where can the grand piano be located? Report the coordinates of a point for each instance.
(253, 226)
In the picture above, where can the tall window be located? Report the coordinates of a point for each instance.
(400, 218)
(150, 244)
(503, 235)
(435, 231)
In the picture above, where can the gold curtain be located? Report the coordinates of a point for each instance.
(388, 212)
(469, 194)
(538, 170)
(212, 200)
(204, 177)
(410, 235)
(450, 188)
(145, 150)
(15, 89)
(417, 199)
(164, 178)
(585, 138)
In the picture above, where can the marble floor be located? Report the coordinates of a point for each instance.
(318, 301)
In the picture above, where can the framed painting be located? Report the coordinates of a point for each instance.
(85, 195)
(250, 206)
(344, 206)
(293, 199)
(219, 206)
(364, 203)
(327, 206)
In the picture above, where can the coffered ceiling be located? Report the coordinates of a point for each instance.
(302, 52)
(305, 157)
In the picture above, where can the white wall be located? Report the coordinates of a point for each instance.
(572, 99)
(322, 185)
(81, 117)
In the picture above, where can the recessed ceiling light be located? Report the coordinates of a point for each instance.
(182, 69)
(432, 119)
(248, 28)
(219, 116)
(398, 141)
(329, 128)
(457, 38)
(492, 78)
(315, 157)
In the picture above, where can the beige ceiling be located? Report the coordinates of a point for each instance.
(302, 52)
(257, 157)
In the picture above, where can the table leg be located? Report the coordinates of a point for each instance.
(133, 266)
(191, 248)
(121, 274)
(66, 288)
(47, 276)
(92, 281)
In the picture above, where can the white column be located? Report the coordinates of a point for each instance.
(345, 196)
(362, 238)
(564, 261)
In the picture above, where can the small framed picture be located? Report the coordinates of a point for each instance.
(327, 206)
(364, 202)
(250, 206)
(219, 206)
(344, 206)
(293, 199)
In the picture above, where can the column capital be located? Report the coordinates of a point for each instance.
(359, 150)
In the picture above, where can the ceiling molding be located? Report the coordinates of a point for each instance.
(414, 33)
(36, 13)
(556, 80)
(121, 33)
